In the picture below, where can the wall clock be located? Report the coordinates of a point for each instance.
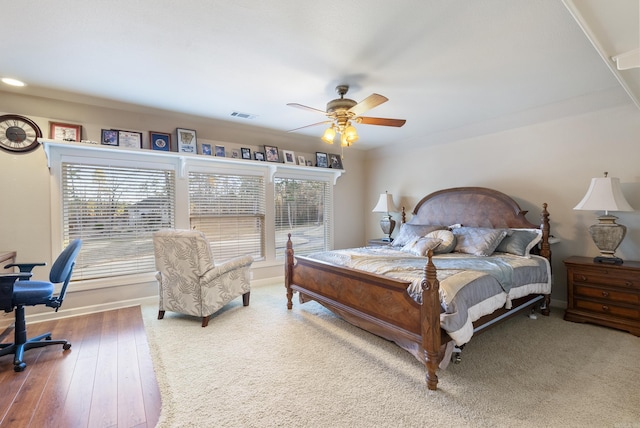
(18, 133)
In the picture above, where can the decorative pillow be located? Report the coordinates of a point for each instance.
(448, 241)
(479, 241)
(420, 246)
(520, 241)
(411, 232)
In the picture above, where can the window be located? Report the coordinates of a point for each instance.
(115, 210)
(303, 208)
(230, 210)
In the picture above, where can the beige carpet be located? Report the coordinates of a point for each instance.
(264, 366)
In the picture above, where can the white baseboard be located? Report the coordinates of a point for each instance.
(7, 319)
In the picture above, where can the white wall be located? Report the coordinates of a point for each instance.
(25, 214)
(550, 162)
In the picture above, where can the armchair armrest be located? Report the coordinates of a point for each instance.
(232, 264)
(24, 267)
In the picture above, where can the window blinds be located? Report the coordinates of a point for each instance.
(230, 210)
(303, 208)
(115, 210)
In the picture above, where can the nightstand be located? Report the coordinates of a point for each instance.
(378, 243)
(604, 294)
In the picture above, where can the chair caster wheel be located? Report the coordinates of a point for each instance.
(66, 346)
(19, 367)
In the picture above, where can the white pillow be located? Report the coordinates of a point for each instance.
(447, 238)
(420, 246)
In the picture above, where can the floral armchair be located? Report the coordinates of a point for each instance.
(189, 283)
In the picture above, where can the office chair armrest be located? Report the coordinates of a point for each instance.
(6, 288)
(25, 267)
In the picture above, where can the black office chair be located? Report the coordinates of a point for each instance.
(25, 292)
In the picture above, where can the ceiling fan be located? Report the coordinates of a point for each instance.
(343, 112)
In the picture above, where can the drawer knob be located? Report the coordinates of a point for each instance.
(605, 294)
(583, 278)
(628, 283)
(605, 308)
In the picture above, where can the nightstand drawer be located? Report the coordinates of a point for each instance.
(613, 310)
(607, 294)
(605, 277)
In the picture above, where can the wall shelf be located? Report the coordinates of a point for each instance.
(89, 150)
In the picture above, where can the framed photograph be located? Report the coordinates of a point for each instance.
(187, 141)
(259, 156)
(65, 131)
(301, 160)
(220, 151)
(309, 163)
(271, 154)
(335, 161)
(322, 161)
(206, 149)
(160, 141)
(130, 139)
(289, 157)
(109, 137)
(246, 153)
(235, 154)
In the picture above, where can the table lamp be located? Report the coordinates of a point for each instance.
(604, 194)
(385, 205)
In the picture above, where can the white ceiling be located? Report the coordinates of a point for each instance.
(450, 67)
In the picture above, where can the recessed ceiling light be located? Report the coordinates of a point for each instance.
(12, 82)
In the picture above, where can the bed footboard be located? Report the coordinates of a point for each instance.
(375, 303)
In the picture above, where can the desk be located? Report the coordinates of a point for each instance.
(7, 257)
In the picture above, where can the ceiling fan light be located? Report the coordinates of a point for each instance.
(351, 135)
(329, 135)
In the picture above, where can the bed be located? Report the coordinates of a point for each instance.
(414, 312)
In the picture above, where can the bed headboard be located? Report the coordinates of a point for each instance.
(470, 206)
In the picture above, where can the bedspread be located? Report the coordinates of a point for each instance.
(470, 286)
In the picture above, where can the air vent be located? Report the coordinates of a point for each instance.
(243, 115)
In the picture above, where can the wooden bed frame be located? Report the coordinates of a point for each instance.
(382, 306)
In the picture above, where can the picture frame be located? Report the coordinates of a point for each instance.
(309, 163)
(259, 156)
(271, 153)
(187, 140)
(335, 161)
(130, 139)
(322, 160)
(65, 131)
(205, 149)
(109, 137)
(235, 154)
(301, 160)
(246, 153)
(160, 141)
(289, 157)
(220, 151)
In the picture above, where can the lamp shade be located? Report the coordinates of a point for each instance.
(385, 204)
(604, 194)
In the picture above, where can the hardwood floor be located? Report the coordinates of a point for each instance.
(106, 379)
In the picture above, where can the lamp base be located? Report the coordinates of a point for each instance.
(387, 224)
(607, 235)
(608, 260)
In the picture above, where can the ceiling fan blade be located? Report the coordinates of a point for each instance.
(313, 124)
(381, 121)
(368, 103)
(306, 108)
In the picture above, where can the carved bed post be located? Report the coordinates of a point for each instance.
(545, 251)
(430, 321)
(288, 272)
